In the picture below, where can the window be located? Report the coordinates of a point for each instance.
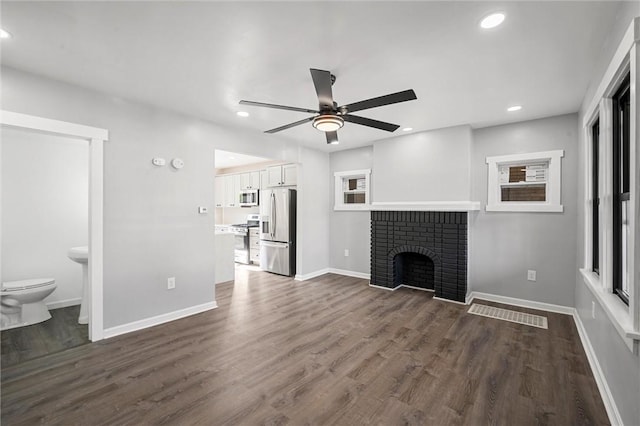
(525, 182)
(621, 161)
(595, 198)
(352, 190)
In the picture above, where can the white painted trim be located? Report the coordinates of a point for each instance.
(418, 288)
(522, 207)
(553, 183)
(63, 303)
(384, 288)
(616, 310)
(96, 239)
(347, 273)
(96, 138)
(443, 206)
(448, 300)
(310, 275)
(598, 374)
(15, 119)
(339, 204)
(158, 319)
(407, 286)
(523, 303)
(613, 70)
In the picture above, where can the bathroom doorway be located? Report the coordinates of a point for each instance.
(92, 139)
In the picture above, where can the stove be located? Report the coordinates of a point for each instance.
(241, 232)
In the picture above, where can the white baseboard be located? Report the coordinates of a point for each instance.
(304, 277)
(523, 303)
(598, 374)
(401, 285)
(347, 273)
(449, 300)
(384, 288)
(63, 303)
(157, 320)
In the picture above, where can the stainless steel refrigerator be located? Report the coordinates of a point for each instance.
(278, 231)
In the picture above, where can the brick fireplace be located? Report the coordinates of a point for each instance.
(420, 249)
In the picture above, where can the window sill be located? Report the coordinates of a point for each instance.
(615, 309)
(525, 207)
(354, 208)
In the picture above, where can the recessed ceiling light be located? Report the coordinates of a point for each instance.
(242, 113)
(514, 108)
(4, 33)
(492, 21)
(407, 129)
(334, 142)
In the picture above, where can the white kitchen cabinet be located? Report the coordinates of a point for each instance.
(264, 179)
(220, 191)
(285, 175)
(250, 180)
(232, 189)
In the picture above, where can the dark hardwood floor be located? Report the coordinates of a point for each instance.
(326, 351)
(60, 332)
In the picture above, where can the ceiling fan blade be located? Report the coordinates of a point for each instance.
(332, 137)
(370, 122)
(290, 125)
(288, 108)
(322, 81)
(394, 98)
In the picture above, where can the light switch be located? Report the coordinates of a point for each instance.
(203, 210)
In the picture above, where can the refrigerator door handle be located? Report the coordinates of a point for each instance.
(274, 220)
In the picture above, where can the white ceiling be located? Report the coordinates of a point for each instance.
(201, 58)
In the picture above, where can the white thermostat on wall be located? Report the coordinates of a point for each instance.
(158, 162)
(177, 163)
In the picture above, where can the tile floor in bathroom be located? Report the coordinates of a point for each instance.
(60, 332)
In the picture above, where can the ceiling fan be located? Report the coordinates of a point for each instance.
(330, 117)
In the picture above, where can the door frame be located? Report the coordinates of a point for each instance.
(96, 138)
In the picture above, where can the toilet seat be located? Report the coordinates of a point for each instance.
(25, 284)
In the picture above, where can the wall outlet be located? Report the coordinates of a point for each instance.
(171, 283)
(593, 309)
(531, 275)
(346, 252)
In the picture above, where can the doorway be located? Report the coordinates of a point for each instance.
(95, 138)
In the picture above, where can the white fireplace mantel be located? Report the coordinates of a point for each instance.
(441, 206)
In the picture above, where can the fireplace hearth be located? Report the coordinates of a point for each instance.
(426, 250)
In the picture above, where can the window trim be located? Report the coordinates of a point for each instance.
(619, 195)
(339, 204)
(554, 184)
(626, 319)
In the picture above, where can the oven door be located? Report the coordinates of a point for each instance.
(241, 246)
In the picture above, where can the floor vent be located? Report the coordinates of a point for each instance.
(508, 315)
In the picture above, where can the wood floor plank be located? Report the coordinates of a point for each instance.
(330, 350)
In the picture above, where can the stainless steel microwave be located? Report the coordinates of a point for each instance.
(248, 198)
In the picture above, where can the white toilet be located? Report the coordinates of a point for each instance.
(22, 302)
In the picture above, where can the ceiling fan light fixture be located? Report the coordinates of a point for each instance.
(328, 123)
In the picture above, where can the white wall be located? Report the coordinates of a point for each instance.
(350, 229)
(621, 368)
(45, 188)
(425, 166)
(151, 227)
(313, 212)
(504, 245)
